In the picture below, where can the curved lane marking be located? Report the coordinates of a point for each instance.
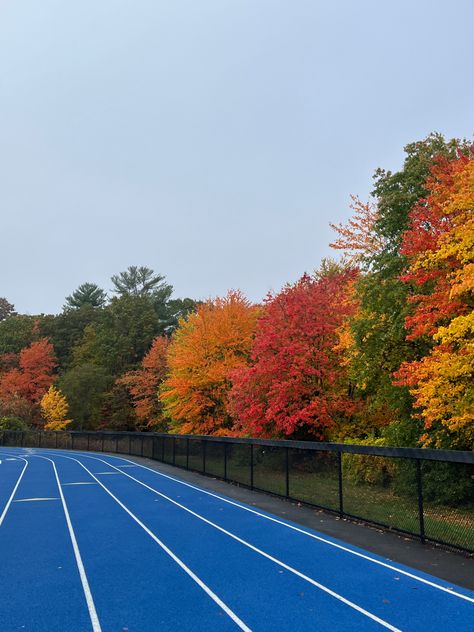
(275, 560)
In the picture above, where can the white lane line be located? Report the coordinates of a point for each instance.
(81, 483)
(9, 501)
(85, 583)
(449, 591)
(174, 557)
(28, 500)
(275, 560)
(103, 473)
(368, 558)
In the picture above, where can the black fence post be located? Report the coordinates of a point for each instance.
(251, 466)
(174, 450)
(130, 444)
(204, 446)
(56, 439)
(23, 439)
(419, 489)
(40, 434)
(102, 443)
(339, 476)
(287, 472)
(225, 461)
(141, 450)
(162, 449)
(116, 443)
(187, 453)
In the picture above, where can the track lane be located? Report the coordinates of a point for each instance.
(389, 595)
(407, 599)
(417, 612)
(242, 574)
(372, 558)
(40, 585)
(135, 583)
(10, 478)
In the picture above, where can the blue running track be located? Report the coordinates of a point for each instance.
(91, 542)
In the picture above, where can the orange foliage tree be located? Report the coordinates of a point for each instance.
(357, 238)
(143, 385)
(29, 382)
(205, 349)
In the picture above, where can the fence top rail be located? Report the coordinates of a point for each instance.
(453, 456)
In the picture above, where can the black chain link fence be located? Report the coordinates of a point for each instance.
(424, 493)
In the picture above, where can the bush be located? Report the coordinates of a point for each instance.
(449, 484)
(13, 423)
(365, 468)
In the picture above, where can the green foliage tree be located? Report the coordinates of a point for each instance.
(86, 294)
(117, 412)
(85, 387)
(18, 331)
(66, 330)
(6, 309)
(13, 423)
(170, 313)
(122, 337)
(143, 282)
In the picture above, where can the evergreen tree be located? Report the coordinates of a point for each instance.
(86, 294)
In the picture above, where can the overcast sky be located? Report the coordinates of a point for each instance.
(211, 140)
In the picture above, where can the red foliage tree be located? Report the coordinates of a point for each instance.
(297, 384)
(143, 384)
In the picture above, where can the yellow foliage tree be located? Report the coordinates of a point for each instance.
(442, 382)
(54, 409)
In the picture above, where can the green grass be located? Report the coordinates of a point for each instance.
(374, 503)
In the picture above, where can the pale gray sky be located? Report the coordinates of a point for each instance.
(211, 140)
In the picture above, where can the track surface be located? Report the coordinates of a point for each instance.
(92, 542)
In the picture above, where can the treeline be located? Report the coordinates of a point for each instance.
(68, 369)
(377, 346)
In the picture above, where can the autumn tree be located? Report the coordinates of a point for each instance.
(54, 409)
(34, 375)
(357, 238)
(378, 328)
(439, 246)
(205, 349)
(144, 383)
(296, 385)
(22, 388)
